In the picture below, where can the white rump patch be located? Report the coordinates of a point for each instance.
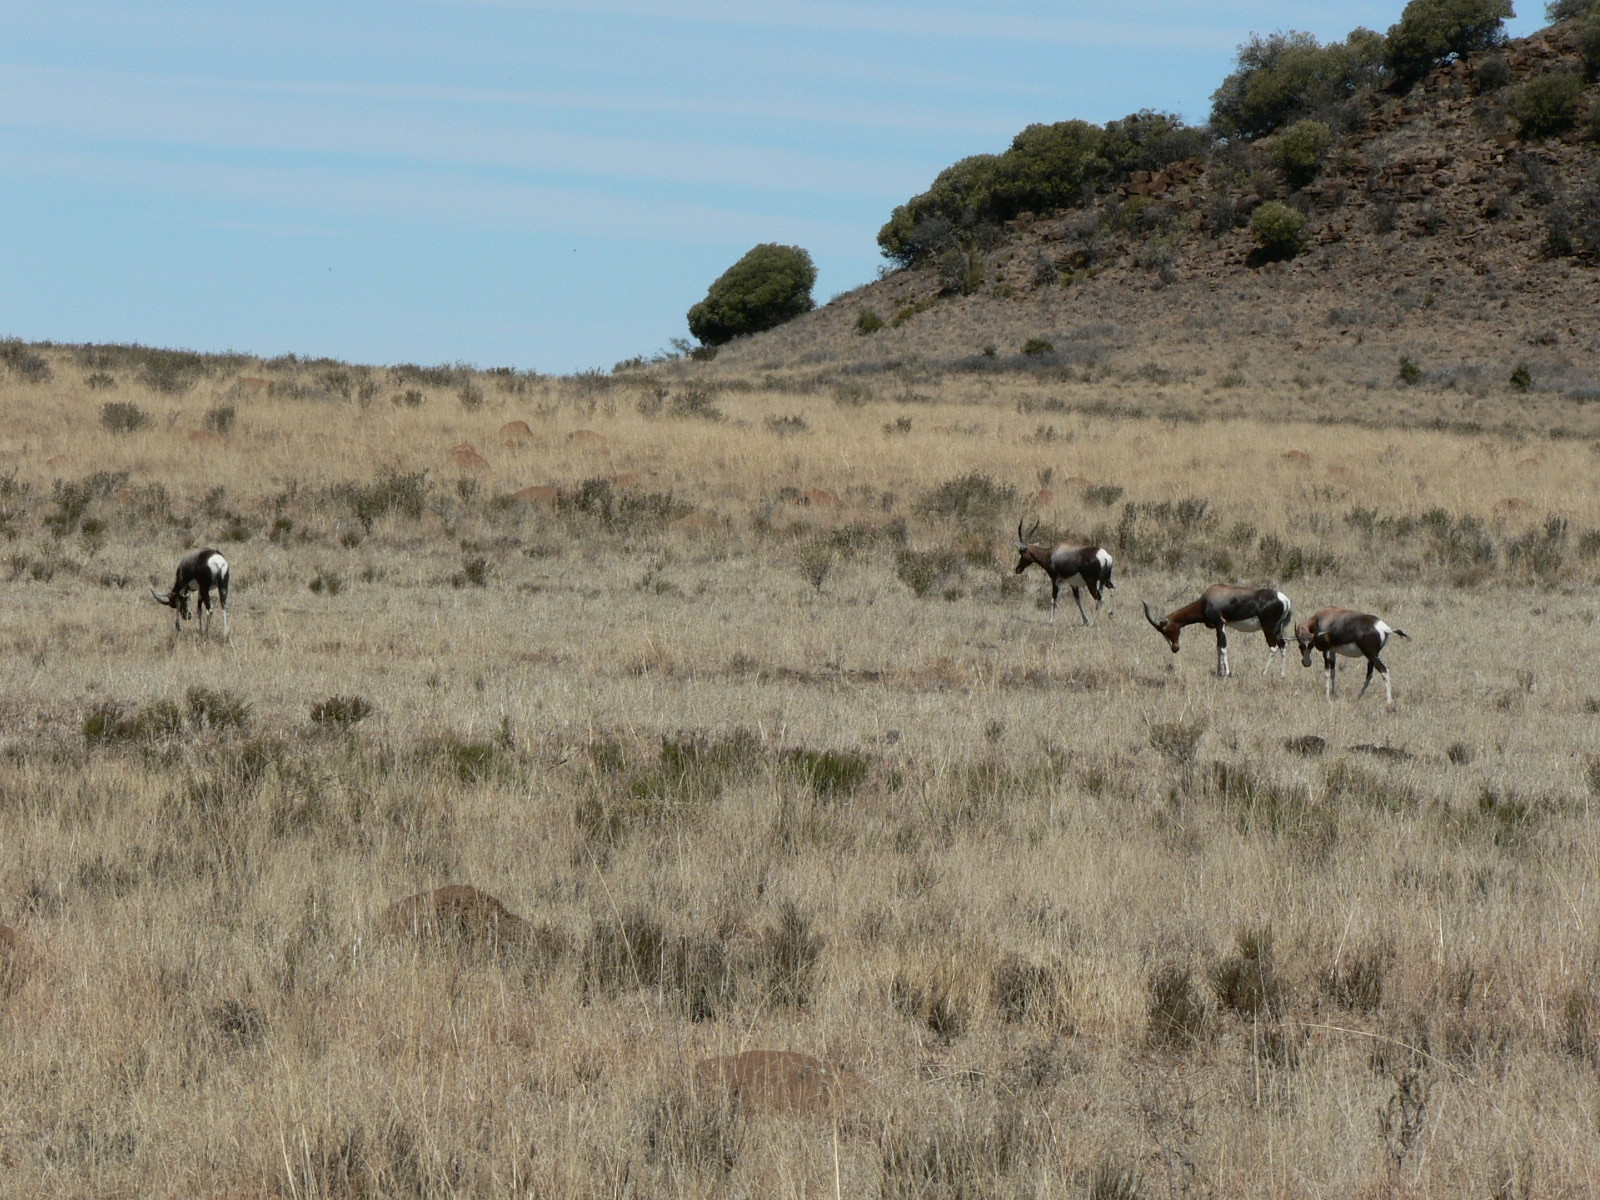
(1384, 630)
(1104, 560)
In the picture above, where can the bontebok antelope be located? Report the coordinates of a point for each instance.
(1222, 607)
(200, 570)
(1336, 631)
(1076, 566)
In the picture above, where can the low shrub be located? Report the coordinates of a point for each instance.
(973, 495)
(1546, 105)
(1281, 231)
(25, 363)
(119, 416)
(341, 711)
(1297, 151)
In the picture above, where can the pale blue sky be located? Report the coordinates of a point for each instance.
(531, 183)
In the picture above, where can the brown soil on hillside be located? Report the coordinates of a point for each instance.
(1430, 230)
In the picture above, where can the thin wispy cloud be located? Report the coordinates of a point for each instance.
(1156, 26)
(583, 167)
(421, 198)
(195, 113)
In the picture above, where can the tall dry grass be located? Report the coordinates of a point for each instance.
(1088, 920)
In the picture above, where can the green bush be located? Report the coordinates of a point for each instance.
(1285, 77)
(951, 212)
(868, 321)
(771, 284)
(1148, 140)
(1567, 10)
(1430, 32)
(1589, 46)
(1046, 167)
(1297, 151)
(1546, 105)
(1492, 73)
(1281, 231)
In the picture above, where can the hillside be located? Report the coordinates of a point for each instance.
(1438, 234)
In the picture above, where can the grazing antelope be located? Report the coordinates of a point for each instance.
(200, 570)
(1223, 606)
(1336, 631)
(1075, 566)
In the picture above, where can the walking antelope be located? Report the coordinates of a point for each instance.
(200, 570)
(1336, 631)
(1223, 606)
(1066, 563)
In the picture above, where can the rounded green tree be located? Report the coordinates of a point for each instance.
(1432, 31)
(768, 286)
(1281, 231)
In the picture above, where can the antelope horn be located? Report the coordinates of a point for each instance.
(159, 598)
(1153, 622)
(1022, 542)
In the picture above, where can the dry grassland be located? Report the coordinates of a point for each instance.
(763, 771)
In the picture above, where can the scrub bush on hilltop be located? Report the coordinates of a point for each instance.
(1431, 32)
(768, 286)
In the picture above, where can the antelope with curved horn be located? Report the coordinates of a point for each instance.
(200, 570)
(1066, 563)
(1336, 631)
(1224, 606)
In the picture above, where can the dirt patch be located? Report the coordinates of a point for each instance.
(778, 1080)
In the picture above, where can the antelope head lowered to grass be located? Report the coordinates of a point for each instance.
(200, 571)
(1336, 631)
(1222, 607)
(1070, 564)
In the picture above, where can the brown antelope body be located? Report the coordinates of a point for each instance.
(1336, 631)
(1076, 566)
(1224, 606)
(200, 571)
